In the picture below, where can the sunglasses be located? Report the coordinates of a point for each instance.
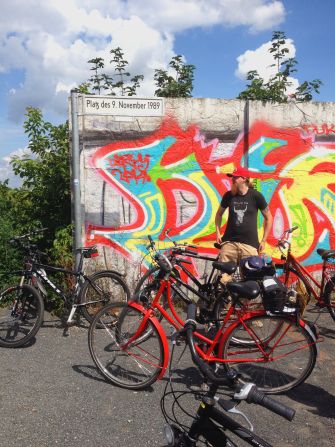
(235, 177)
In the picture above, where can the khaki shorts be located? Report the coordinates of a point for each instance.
(235, 251)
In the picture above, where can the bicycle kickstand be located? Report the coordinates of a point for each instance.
(69, 322)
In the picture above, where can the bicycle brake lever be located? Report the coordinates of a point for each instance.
(230, 407)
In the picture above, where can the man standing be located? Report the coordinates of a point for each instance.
(240, 238)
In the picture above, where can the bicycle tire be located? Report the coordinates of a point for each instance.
(137, 366)
(102, 288)
(291, 348)
(220, 311)
(21, 315)
(329, 297)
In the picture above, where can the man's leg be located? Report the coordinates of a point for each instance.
(229, 252)
(246, 251)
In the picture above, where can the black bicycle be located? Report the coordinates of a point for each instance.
(208, 290)
(22, 305)
(212, 425)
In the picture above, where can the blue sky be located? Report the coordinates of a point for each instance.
(45, 46)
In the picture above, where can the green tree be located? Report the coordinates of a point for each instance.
(111, 84)
(180, 85)
(9, 225)
(276, 88)
(45, 192)
(97, 79)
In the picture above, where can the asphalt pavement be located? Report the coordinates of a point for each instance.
(52, 395)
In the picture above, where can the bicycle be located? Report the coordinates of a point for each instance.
(89, 292)
(212, 425)
(211, 289)
(301, 283)
(130, 348)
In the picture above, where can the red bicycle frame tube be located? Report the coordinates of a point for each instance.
(291, 261)
(148, 315)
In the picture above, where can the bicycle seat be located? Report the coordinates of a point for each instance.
(88, 252)
(325, 254)
(246, 289)
(225, 267)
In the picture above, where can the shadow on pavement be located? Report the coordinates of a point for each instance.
(323, 403)
(92, 373)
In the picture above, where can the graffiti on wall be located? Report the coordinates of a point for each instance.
(174, 180)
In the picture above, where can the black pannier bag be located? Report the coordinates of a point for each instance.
(256, 267)
(274, 294)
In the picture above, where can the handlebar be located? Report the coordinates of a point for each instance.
(184, 250)
(248, 392)
(282, 241)
(257, 397)
(27, 235)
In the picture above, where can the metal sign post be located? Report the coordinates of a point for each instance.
(76, 175)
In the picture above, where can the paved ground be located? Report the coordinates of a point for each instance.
(52, 395)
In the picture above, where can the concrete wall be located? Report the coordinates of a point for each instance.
(142, 175)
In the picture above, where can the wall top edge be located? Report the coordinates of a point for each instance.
(215, 99)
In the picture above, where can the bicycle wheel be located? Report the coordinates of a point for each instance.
(21, 315)
(147, 288)
(100, 289)
(329, 297)
(134, 366)
(220, 311)
(280, 356)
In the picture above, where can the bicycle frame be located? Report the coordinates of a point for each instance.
(292, 262)
(203, 423)
(80, 276)
(220, 338)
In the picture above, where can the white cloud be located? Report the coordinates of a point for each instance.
(6, 171)
(52, 41)
(262, 61)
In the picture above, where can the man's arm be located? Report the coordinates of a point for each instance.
(218, 222)
(268, 219)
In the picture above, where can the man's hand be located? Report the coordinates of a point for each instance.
(261, 247)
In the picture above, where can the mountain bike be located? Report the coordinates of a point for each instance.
(211, 425)
(88, 292)
(301, 283)
(130, 348)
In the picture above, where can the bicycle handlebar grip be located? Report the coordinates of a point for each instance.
(191, 311)
(255, 396)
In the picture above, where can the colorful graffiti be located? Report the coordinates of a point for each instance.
(174, 167)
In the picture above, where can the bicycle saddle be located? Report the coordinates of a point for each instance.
(225, 267)
(325, 253)
(246, 289)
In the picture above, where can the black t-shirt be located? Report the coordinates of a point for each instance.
(242, 219)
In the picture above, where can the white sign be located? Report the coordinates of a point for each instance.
(122, 106)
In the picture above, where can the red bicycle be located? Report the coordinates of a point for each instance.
(300, 282)
(130, 346)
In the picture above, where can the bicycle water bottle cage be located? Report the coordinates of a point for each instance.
(246, 289)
